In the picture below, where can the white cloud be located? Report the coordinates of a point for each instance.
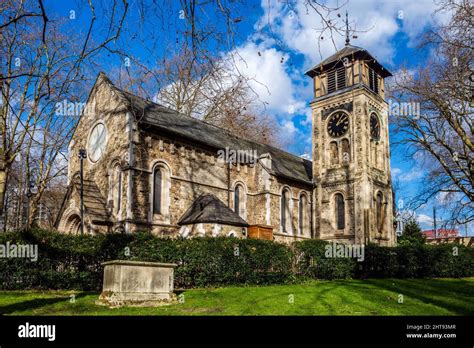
(378, 22)
(396, 171)
(266, 67)
(412, 175)
(425, 221)
(443, 197)
(307, 156)
(288, 131)
(283, 33)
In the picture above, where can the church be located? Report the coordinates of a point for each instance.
(146, 167)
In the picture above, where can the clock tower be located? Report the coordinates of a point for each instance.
(351, 161)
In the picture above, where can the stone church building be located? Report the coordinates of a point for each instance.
(149, 168)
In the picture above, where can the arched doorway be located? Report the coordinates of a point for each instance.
(73, 224)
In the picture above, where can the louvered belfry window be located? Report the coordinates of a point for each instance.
(336, 79)
(341, 78)
(373, 81)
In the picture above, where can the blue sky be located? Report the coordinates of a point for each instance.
(277, 44)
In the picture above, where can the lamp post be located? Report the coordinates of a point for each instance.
(31, 178)
(82, 156)
(29, 194)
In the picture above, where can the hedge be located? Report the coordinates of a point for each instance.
(74, 262)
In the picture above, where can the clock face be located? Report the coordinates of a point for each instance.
(338, 124)
(374, 127)
(97, 142)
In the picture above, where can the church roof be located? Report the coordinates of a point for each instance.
(94, 203)
(207, 208)
(154, 116)
(348, 50)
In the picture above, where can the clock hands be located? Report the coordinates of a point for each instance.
(339, 121)
(338, 125)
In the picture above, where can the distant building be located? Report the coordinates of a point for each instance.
(447, 236)
(441, 233)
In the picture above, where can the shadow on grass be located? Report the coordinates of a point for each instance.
(35, 304)
(459, 301)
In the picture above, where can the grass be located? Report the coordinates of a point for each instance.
(342, 297)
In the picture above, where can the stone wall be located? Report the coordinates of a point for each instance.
(360, 178)
(103, 105)
(195, 170)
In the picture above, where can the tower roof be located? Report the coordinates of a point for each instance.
(348, 51)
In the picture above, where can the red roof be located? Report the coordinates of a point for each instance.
(441, 233)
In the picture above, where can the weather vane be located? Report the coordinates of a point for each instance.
(348, 31)
(348, 40)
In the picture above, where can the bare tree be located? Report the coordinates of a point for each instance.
(191, 74)
(46, 60)
(43, 62)
(442, 135)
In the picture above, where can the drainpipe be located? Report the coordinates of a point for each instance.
(312, 213)
(228, 184)
(131, 163)
(82, 156)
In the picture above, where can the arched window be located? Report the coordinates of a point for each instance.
(116, 188)
(379, 211)
(285, 211)
(340, 211)
(239, 200)
(334, 152)
(160, 199)
(157, 191)
(303, 214)
(346, 151)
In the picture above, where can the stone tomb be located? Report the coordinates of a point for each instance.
(135, 283)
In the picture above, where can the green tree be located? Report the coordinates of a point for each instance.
(411, 234)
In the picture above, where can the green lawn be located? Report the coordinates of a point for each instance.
(343, 297)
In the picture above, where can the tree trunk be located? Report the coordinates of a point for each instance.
(3, 162)
(33, 210)
(3, 189)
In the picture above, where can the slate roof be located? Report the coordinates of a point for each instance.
(347, 51)
(207, 208)
(94, 204)
(154, 116)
